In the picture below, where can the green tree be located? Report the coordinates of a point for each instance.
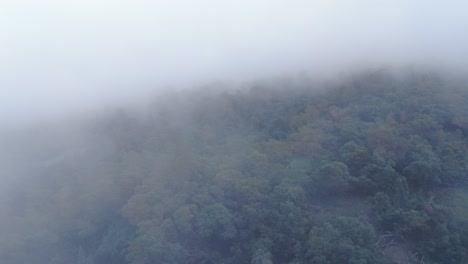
(344, 240)
(333, 178)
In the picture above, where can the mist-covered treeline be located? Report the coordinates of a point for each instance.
(368, 169)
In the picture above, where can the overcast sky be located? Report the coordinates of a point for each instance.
(60, 57)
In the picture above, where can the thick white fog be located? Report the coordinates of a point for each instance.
(60, 58)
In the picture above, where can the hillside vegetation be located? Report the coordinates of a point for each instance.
(369, 169)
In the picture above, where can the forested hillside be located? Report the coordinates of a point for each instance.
(372, 168)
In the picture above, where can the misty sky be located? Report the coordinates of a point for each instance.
(61, 57)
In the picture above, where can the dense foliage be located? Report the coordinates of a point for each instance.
(370, 169)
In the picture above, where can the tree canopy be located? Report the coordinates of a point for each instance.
(370, 169)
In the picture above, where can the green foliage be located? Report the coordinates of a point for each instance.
(215, 221)
(344, 240)
(333, 178)
(422, 174)
(259, 176)
(261, 256)
(454, 162)
(378, 175)
(355, 156)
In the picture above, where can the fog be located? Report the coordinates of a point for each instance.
(247, 131)
(64, 58)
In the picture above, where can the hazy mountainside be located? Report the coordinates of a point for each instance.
(370, 169)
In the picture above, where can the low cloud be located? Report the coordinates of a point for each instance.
(65, 57)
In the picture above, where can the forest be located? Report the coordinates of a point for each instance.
(366, 168)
